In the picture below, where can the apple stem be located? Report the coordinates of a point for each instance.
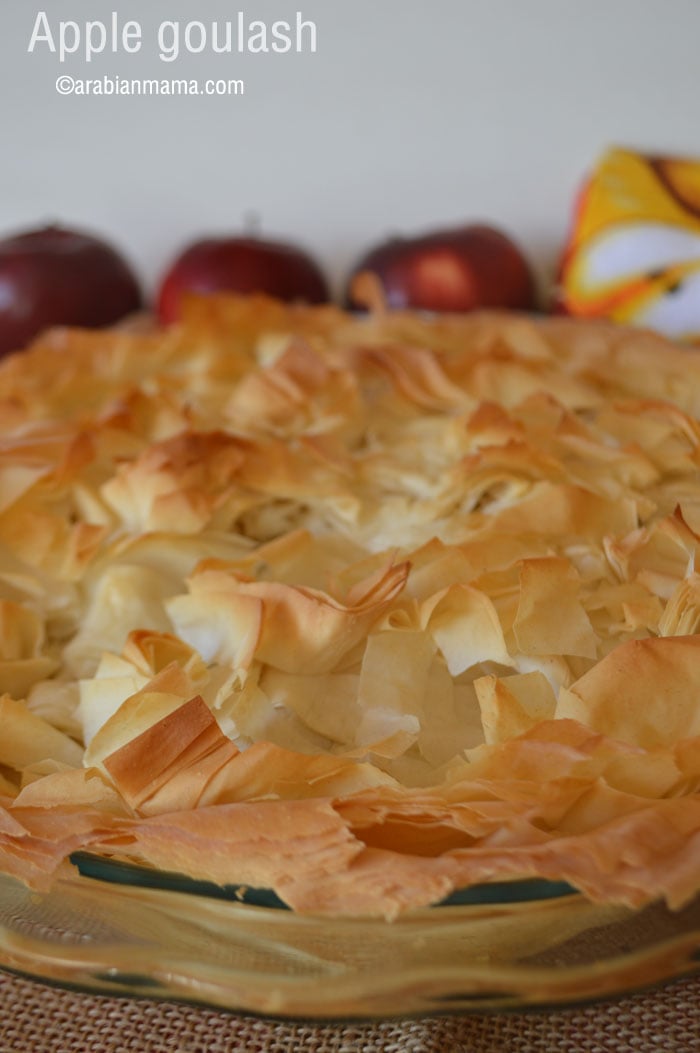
(252, 223)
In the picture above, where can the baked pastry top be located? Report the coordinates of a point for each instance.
(361, 610)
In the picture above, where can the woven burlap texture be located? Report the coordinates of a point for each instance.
(39, 1019)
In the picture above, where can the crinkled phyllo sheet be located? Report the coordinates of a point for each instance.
(362, 610)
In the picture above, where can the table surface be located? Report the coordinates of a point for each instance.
(38, 1019)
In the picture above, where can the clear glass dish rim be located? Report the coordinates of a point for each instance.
(408, 988)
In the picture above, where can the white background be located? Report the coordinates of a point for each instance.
(411, 114)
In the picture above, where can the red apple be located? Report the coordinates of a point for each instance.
(243, 264)
(55, 276)
(458, 269)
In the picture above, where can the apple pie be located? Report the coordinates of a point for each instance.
(362, 610)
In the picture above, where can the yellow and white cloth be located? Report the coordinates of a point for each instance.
(634, 251)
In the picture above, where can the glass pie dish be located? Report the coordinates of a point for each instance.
(364, 611)
(118, 929)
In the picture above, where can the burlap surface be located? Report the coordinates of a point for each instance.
(38, 1019)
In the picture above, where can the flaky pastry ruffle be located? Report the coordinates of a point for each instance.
(362, 610)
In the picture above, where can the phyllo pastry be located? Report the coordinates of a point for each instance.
(359, 609)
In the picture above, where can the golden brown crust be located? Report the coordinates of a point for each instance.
(358, 609)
